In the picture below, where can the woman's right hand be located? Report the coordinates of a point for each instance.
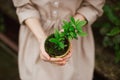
(35, 27)
(45, 57)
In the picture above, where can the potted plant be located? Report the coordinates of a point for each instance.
(58, 43)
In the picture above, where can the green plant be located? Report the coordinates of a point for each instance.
(110, 28)
(58, 43)
(71, 30)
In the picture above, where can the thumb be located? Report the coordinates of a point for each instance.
(44, 55)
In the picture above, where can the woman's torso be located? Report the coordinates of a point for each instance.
(53, 12)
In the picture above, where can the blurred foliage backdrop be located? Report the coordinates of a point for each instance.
(109, 27)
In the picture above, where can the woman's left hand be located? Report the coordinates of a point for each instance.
(79, 17)
(64, 59)
(62, 62)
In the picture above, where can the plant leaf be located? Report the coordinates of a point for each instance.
(57, 35)
(114, 31)
(61, 45)
(54, 40)
(82, 33)
(72, 20)
(81, 23)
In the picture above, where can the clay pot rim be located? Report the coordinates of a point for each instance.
(67, 51)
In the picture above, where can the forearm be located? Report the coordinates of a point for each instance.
(91, 10)
(35, 27)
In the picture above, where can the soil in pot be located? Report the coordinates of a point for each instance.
(52, 50)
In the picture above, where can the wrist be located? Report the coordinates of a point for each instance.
(41, 38)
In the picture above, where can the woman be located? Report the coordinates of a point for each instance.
(38, 18)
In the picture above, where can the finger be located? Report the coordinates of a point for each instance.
(44, 54)
(56, 59)
(60, 63)
(67, 56)
(61, 30)
(45, 57)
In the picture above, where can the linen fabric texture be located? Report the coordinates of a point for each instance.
(51, 13)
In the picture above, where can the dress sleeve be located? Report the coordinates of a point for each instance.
(91, 9)
(25, 9)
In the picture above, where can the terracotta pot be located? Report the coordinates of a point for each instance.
(60, 54)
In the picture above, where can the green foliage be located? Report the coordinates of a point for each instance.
(110, 28)
(58, 40)
(71, 30)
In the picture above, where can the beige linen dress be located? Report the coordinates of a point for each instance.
(51, 13)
